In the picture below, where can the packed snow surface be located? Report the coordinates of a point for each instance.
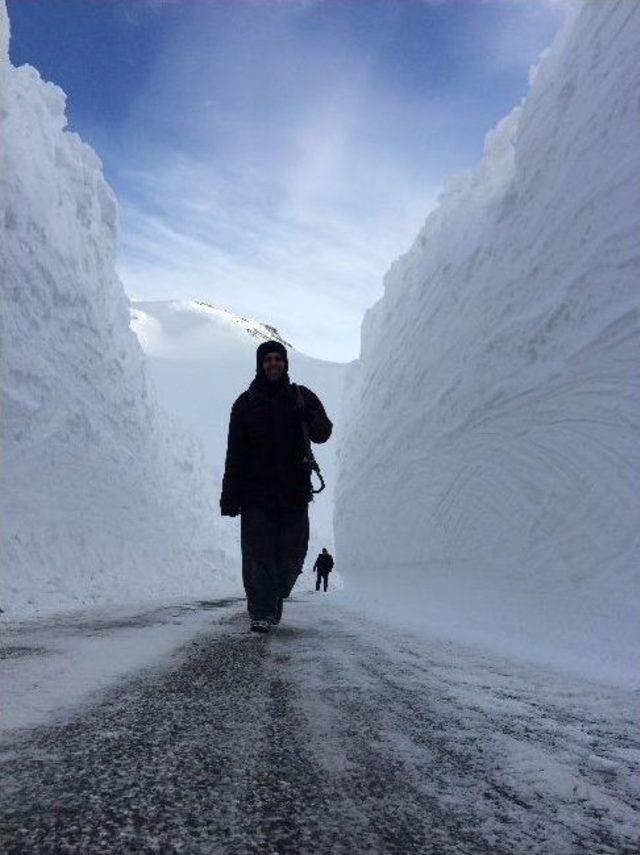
(202, 357)
(488, 483)
(333, 735)
(102, 500)
(52, 666)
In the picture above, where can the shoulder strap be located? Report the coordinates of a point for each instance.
(305, 426)
(299, 397)
(310, 460)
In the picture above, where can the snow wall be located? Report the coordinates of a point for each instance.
(488, 483)
(101, 499)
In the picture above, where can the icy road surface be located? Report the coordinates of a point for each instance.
(331, 735)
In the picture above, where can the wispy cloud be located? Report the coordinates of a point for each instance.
(292, 209)
(135, 11)
(521, 30)
(287, 172)
(266, 248)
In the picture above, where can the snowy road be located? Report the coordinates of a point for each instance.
(331, 735)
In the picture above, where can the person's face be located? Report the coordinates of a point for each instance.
(273, 366)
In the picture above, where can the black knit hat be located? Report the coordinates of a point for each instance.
(270, 347)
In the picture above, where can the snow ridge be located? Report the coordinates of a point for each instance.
(253, 328)
(489, 469)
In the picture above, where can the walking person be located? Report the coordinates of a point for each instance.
(267, 481)
(323, 566)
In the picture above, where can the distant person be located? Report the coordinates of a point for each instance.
(323, 566)
(268, 481)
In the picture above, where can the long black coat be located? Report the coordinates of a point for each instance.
(265, 449)
(324, 563)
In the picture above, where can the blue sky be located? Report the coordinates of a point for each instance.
(275, 156)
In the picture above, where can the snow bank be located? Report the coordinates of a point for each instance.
(102, 500)
(488, 485)
(202, 357)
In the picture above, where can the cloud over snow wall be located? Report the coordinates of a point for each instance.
(488, 484)
(101, 500)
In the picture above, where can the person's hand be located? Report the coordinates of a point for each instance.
(229, 510)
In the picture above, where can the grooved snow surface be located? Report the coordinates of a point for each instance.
(102, 499)
(488, 477)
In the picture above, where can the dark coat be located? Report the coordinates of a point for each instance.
(264, 465)
(324, 563)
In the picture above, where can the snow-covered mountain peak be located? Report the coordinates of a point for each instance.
(187, 326)
(253, 328)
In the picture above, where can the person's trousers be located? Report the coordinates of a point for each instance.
(324, 577)
(274, 545)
